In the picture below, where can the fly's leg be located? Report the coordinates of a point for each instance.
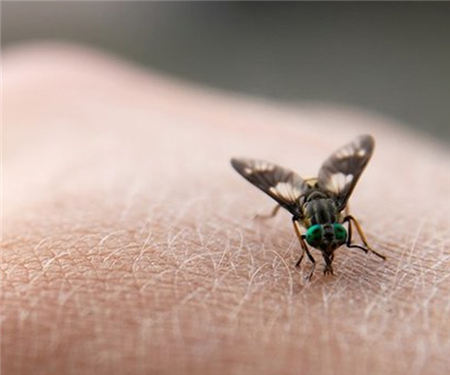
(301, 239)
(302, 243)
(299, 261)
(347, 211)
(313, 261)
(270, 215)
(350, 219)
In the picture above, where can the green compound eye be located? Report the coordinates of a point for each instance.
(339, 232)
(314, 234)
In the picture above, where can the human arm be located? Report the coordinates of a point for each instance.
(129, 246)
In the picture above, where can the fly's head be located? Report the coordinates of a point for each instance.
(326, 237)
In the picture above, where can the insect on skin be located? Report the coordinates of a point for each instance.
(319, 205)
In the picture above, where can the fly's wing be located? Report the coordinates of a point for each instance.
(341, 171)
(280, 183)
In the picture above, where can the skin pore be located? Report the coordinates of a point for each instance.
(129, 244)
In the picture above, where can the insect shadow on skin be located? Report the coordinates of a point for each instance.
(318, 205)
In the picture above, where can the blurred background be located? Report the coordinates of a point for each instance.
(389, 58)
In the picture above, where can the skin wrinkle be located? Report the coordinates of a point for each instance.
(134, 249)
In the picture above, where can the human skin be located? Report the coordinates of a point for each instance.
(129, 245)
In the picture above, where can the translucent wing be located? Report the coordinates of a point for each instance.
(341, 171)
(280, 183)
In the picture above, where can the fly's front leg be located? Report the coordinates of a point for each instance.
(302, 242)
(299, 261)
(350, 219)
(270, 215)
(301, 239)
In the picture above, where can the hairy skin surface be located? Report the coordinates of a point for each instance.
(129, 246)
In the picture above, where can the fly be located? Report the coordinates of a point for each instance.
(318, 205)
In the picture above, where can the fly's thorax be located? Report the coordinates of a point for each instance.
(322, 210)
